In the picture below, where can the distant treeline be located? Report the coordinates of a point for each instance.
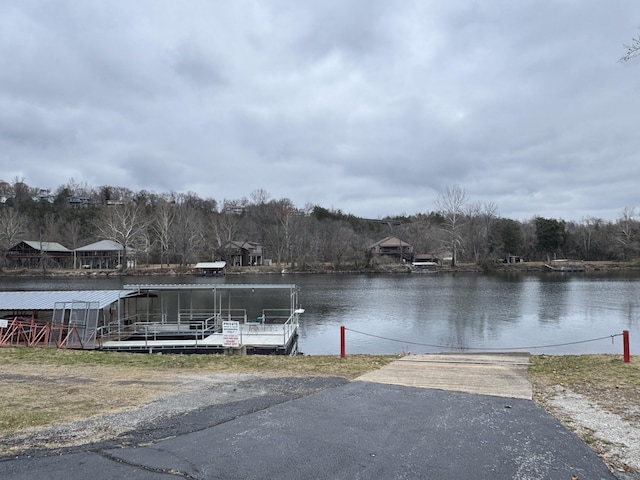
(184, 228)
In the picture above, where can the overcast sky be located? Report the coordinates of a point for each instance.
(373, 107)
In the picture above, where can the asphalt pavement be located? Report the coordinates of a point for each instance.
(345, 430)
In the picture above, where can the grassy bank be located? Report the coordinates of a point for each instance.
(350, 367)
(605, 379)
(48, 386)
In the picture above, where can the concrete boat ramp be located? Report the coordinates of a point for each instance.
(501, 375)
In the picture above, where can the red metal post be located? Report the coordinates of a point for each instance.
(343, 352)
(625, 343)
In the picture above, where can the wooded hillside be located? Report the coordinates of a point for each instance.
(184, 228)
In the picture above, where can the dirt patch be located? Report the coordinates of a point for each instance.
(161, 412)
(100, 403)
(45, 395)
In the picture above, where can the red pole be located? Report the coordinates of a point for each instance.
(625, 344)
(342, 349)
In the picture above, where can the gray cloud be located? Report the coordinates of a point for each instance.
(370, 107)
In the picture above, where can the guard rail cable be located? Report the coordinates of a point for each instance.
(624, 335)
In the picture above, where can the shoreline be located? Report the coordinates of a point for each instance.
(385, 269)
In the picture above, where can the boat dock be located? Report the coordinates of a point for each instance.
(171, 318)
(252, 339)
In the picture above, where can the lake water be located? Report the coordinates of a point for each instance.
(539, 313)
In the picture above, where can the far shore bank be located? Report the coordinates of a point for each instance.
(177, 270)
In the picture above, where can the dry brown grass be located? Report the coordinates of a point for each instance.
(47, 394)
(605, 379)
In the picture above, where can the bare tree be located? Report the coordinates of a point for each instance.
(72, 233)
(420, 232)
(479, 219)
(21, 191)
(12, 226)
(300, 241)
(124, 224)
(260, 216)
(260, 196)
(228, 222)
(187, 233)
(585, 233)
(451, 204)
(77, 189)
(164, 216)
(278, 228)
(340, 244)
(146, 242)
(627, 226)
(633, 50)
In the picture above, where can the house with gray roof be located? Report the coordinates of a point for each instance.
(102, 254)
(39, 255)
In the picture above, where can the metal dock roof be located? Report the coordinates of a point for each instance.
(46, 300)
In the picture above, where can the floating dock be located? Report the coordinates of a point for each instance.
(171, 318)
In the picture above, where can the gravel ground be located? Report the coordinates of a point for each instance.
(615, 439)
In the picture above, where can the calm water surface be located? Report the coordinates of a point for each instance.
(436, 313)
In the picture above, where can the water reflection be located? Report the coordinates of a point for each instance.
(427, 313)
(553, 292)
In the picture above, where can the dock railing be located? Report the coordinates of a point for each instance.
(199, 326)
(282, 324)
(204, 320)
(271, 327)
(117, 330)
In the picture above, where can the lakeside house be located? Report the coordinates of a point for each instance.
(393, 248)
(242, 254)
(102, 254)
(35, 255)
(98, 255)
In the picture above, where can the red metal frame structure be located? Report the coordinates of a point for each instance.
(28, 332)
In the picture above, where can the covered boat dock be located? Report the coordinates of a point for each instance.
(178, 318)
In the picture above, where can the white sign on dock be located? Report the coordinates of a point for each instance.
(4, 323)
(231, 333)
